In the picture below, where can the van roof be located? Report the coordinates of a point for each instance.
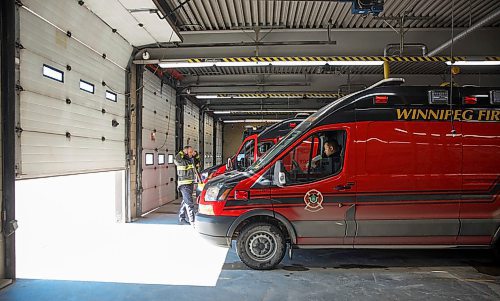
(281, 128)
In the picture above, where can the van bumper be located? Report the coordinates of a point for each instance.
(214, 228)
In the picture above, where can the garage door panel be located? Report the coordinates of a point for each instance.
(32, 79)
(155, 103)
(161, 142)
(45, 114)
(208, 142)
(191, 125)
(155, 111)
(48, 154)
(218, 144)
(150, 199)
(95, 33)
(149, 177)
(93, 68)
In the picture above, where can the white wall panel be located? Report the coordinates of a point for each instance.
(158, 137)
(218, 143)
(49, 109)
(208, 155)
(191, 125)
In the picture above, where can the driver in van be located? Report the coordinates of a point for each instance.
(330, 163)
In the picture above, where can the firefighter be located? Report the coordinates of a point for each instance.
(185, 180)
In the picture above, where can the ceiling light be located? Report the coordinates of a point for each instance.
(184, 64)
(263, 111)
(253, 121)
(211, 96)
(473, 63)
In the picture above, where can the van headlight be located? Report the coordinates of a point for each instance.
(212, 193)
(216, 193)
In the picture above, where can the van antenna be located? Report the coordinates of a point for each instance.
(453, 131)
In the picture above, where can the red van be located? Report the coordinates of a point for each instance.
(252, 147)
(413, 167)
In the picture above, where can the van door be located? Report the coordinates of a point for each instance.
(246, 153)
(409, 178)
(318, 195)
(479, 214)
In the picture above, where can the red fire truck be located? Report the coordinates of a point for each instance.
(252, 147)
(415, 167)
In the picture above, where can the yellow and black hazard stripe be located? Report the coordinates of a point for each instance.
(281, 95)
(267, 59)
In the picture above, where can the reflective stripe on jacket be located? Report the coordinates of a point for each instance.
(185, 169)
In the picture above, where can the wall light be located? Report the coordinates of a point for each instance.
(473, 63)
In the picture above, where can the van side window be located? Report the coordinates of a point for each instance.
(263, 147)
(246, 156)
(317, 157)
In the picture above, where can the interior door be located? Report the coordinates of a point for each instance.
(319, 201)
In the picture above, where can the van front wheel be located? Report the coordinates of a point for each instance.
(261, 246)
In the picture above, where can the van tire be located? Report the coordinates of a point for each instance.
(496, 253)
(261, 246)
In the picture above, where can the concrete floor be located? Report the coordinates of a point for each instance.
(311, 275)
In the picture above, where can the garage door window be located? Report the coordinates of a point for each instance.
(110, 96)
(87, 87)
(53, 73)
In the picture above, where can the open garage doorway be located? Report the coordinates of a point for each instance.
(68, 232)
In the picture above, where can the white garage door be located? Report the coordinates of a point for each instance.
(191, 125)
(208, 141)
(218, 143)
(158, 142)
(72, 103)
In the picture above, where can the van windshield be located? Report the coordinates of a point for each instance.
(289, 138)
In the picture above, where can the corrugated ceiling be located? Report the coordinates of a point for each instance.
(199, 15)
(396, 68)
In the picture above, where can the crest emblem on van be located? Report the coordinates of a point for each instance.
(313, 200)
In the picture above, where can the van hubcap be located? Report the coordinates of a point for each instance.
(261, 246)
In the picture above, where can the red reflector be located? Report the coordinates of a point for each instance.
(241, 195)
(470, 100)
(292, 125)
(381, 99)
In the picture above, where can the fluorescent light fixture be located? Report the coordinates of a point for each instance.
(184, 64)
(253, 121)
(263, 111)
(211, 96)
(473, 63)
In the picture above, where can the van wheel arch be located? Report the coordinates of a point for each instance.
(259, 215)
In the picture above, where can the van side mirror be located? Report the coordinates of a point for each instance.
(279, 178)
(229, 164)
